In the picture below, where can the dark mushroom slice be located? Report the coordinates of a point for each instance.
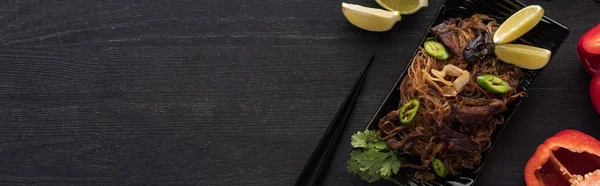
(479, 47)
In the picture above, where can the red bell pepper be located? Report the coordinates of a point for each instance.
(588, 51)
(595, 92)
(569, 157)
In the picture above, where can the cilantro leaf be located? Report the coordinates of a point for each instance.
(359, 140)
(379, 145)
(369, 178)
(371, 159)
(366, 139)
(353, 165)
(390, 166)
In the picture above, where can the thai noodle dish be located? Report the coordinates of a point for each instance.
(451, 100)
(456, 113)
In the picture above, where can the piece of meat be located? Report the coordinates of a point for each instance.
(469, 23)
(458, 143)
(391, 116)
(472, 117)
(447, 36)
(389, 123)
(406, 142)
(461, 150)
(452, 21)
(460, 162)
(513, 82)
(390, 126)
(424, 176)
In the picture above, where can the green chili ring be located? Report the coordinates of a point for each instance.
(439, 168)
(408, 116)
(436, 49)
(493, 84)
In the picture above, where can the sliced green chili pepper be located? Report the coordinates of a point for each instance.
(439, 168)
(493, 83)
(436, 50)
(408, 111)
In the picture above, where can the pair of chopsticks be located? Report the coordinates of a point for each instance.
(331, 138)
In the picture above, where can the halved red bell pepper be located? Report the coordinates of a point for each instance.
(595, 92)
(568, 158)
(588, 50)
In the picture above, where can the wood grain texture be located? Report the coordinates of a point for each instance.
(224, 92)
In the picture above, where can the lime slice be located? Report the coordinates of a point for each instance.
(405, 7)
(524, 56)
(372, 19)
(518, 24)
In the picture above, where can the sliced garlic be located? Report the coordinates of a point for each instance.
(450, 88)
(461, 81)
(430, 81)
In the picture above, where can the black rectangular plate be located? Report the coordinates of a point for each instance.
(547, 34)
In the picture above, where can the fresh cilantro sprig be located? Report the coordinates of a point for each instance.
(371, 159)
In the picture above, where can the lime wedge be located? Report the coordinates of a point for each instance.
(518, 24)
(524, 56)
(371, 19)
(405, 7)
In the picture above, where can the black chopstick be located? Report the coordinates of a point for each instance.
(335, 129)
(336, 139)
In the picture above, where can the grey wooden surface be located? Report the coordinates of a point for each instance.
(225, 92)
